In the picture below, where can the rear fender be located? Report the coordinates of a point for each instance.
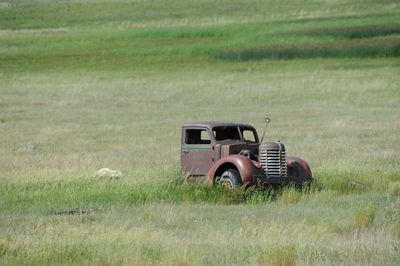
(244, 165)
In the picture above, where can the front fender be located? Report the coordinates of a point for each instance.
(243, 164)
(298, 168)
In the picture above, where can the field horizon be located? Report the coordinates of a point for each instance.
(91, 84)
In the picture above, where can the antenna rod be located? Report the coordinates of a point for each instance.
(267, 121)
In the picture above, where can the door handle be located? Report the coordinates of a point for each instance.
(185, 152)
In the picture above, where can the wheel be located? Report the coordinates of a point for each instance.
(230, 179)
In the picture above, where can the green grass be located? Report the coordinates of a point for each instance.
(338, 49)
(96, 84)
(307, 232)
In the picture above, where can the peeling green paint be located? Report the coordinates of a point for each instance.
(196, 147)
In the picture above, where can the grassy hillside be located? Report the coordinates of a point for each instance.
(94, 84)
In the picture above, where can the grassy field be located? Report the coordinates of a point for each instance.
(93, 84)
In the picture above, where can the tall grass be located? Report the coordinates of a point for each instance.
(268, 234)
(61, 196)
(87, 194)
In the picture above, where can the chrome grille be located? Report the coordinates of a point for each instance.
(276, 163)
(273, 161)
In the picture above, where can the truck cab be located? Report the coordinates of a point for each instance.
(220, 149)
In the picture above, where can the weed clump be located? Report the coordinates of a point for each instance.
(151, 253)
(278, 255)
(4, 247)
(394, 189)
(290, 195)
(392, 217)
(365, 216)
(254, 195)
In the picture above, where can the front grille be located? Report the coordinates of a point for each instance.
(273, 161)
(276, 163)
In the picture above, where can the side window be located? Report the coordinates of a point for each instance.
(249, 135)
(197, 136)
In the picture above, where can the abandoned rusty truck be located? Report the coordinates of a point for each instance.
(231, 155)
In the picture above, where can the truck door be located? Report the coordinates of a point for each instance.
(197, 154)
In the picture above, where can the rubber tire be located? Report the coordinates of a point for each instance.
(231, 179)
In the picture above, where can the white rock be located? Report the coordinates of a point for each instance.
(6, 5)
(108, 173)
(27, 148)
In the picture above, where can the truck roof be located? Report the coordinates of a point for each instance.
(211, 124)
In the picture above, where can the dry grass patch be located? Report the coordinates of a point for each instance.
(290, 196)
(278, 255)
(365, 216)
(394, 189)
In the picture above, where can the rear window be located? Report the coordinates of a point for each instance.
(226, 133)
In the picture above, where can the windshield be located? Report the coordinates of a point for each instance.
(232, 133)
(249, 135)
